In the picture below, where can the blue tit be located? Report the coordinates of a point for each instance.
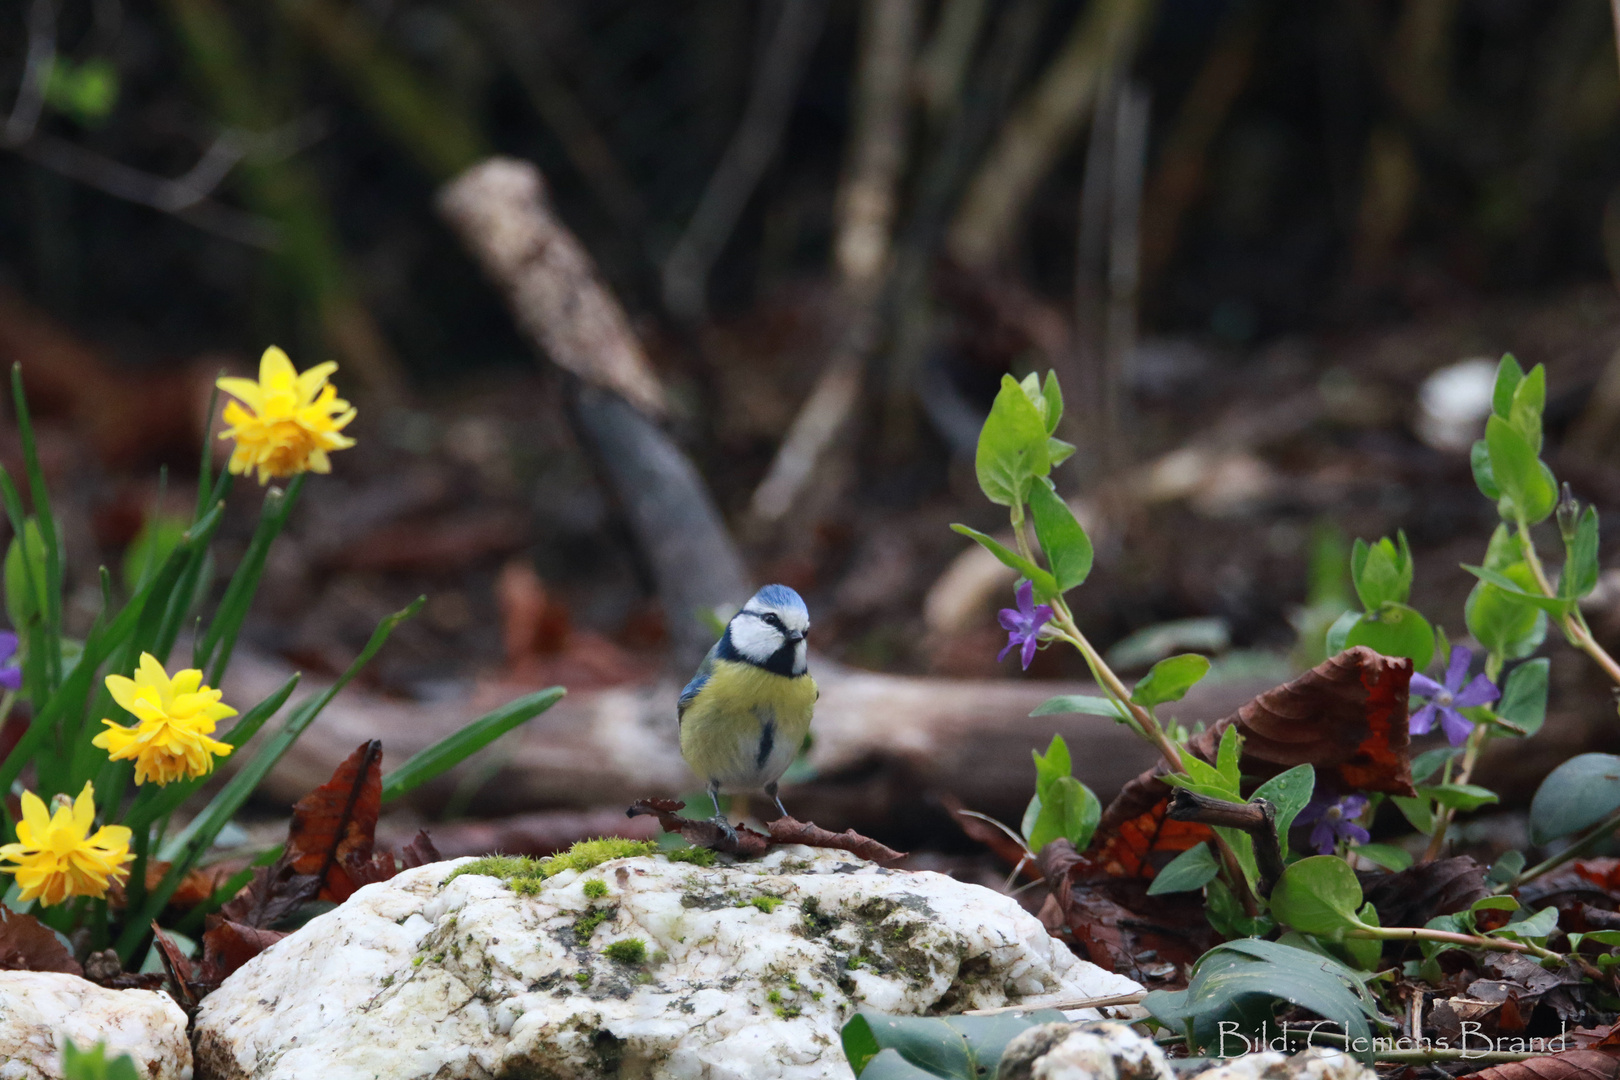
(746, 712)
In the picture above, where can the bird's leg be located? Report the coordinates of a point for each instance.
(720, 818)
(770, 789)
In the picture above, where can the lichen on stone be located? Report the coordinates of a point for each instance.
(694, 975)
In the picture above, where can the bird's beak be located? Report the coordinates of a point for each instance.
(796, 638)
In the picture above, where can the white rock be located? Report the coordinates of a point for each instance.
(1087, 1051)
(424, 977)
(42, 1010)
(1312, 1063)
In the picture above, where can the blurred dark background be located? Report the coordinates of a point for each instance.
(1245, 233)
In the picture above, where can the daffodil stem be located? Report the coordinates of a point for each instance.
(135, 891)
(1572, 622)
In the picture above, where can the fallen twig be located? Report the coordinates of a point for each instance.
(1257, 818)
(749, 843)
(738, 841)
(1067, 1006)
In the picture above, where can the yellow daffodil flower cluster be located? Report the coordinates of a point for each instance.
(285, 423)
(56, 854)
(176, 716)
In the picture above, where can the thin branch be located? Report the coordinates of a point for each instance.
(1257, 818)
(776, 84)
(24, 118)
(1103, 40)
(1067, 1006)
(866, 210)
(185, 197)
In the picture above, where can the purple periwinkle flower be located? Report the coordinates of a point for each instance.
(1446, 699)
(1023, 624)
(1334, 820)
(10, 673)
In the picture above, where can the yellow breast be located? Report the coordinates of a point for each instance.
(746, 724)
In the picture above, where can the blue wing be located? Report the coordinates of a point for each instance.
(695, 687)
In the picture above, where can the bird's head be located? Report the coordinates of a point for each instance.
(770, 630)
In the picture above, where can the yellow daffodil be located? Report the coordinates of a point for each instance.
(285, 423)
(56, 854)
(176, 718)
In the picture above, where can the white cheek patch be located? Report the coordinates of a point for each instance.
(755, 638)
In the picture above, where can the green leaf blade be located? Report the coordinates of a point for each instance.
(1068, 548)
(453, 749)
(1012, 448)
(1169, 680)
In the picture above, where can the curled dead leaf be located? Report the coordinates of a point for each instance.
(334, 826)
(1346, 717)
(26, 944)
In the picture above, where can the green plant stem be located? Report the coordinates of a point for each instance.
(1437, 840)
(1140, 719)
(1145, 723)
(1451, 937)
(1599, 832)
(1411, 1057)
(1572, 622)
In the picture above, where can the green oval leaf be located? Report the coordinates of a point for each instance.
(1170, 679)
(1504, 621)
(1012, 447)
(1045, 583)
(1388, 856)
(1289, 792)
(1524, 696)
(1479, 458)
(1319, 895)
(1077, 703)
(1580, 574)
(1575, 796)
(1395, 630)
(1462, 797)
(1067, 547)
(1518, 472)
(1069, 811)
(951, 1047)
(1192, 869)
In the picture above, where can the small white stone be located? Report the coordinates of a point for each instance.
(1312, 1063)
(1454, 403)
(418, 977)
(1096, 1050)
(42, 1010)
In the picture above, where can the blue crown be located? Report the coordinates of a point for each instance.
(782, 598)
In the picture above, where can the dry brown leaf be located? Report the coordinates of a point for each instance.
(26, 944)
(1417, 894)
(337, 822)
(1570, 1065)
(1346, 717)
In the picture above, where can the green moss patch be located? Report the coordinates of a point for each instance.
(524, 874)
(595, 888)
(586, 926)
(697, 856)
(629, 951)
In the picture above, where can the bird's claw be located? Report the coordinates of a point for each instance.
(727, 832)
